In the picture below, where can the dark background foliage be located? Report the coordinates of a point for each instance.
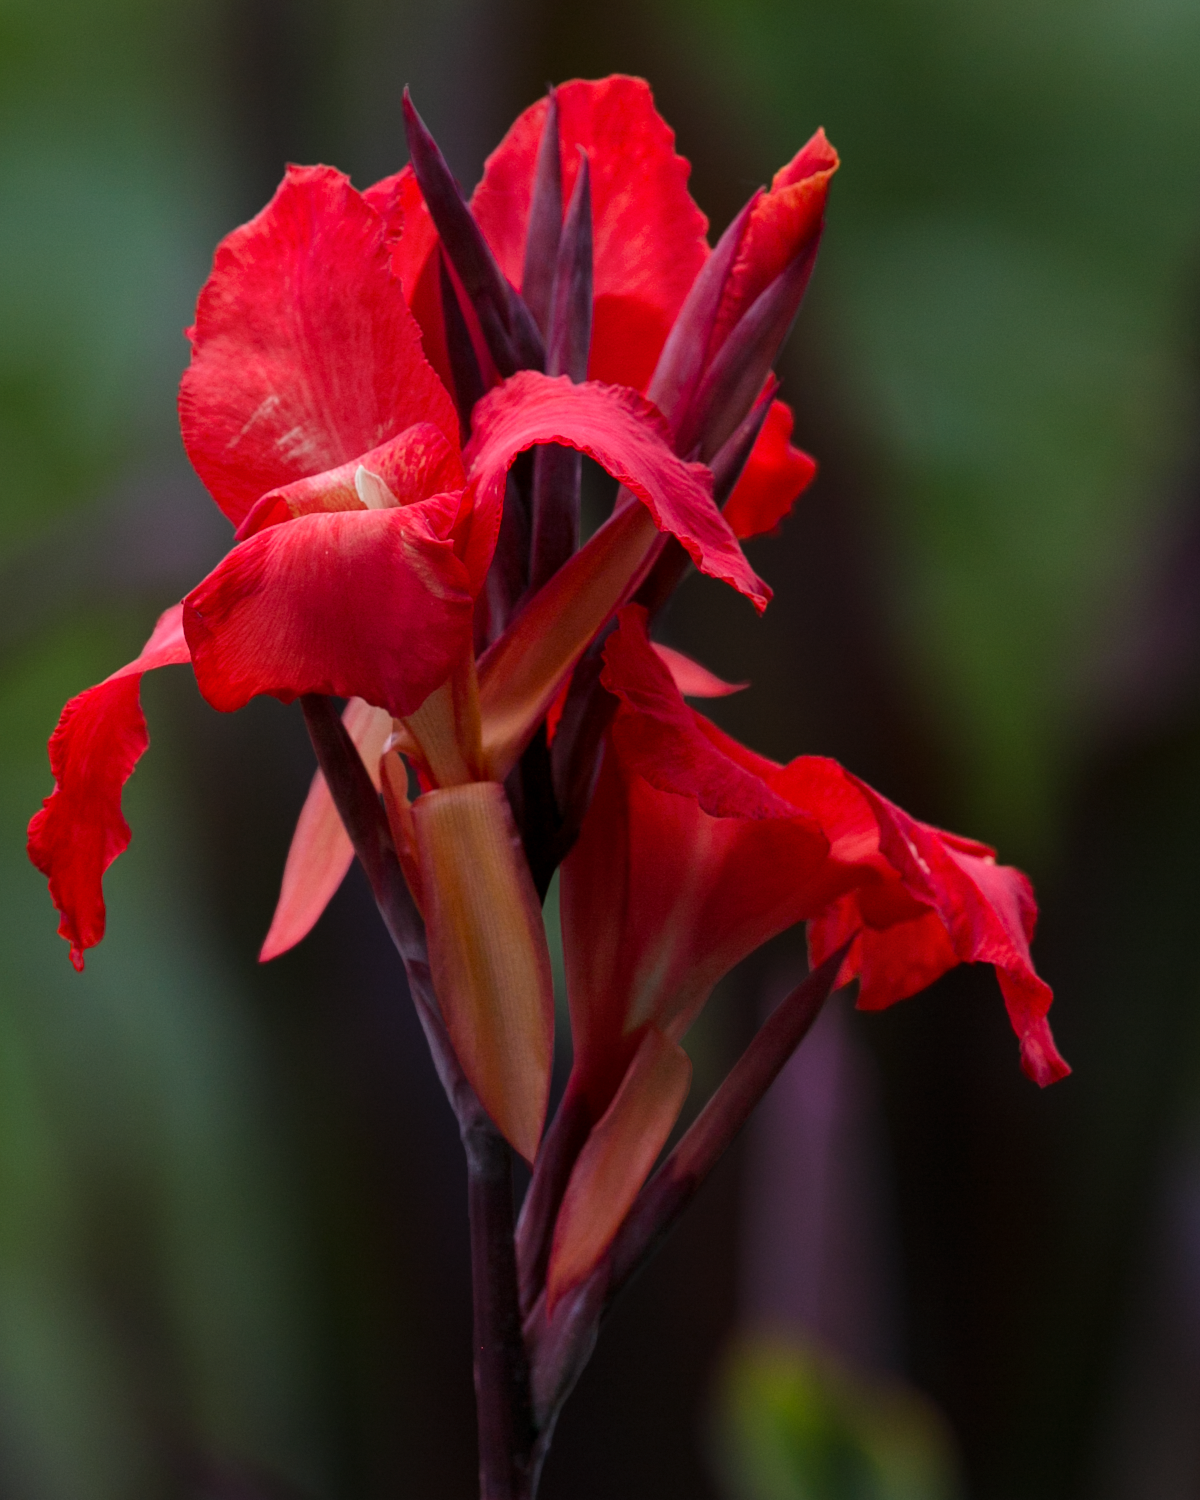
(232, 1229)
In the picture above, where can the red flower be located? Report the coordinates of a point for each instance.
(650, 245)
(345, 407)
(694, 852)
(324, 434)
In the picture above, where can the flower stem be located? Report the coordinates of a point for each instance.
(507, 1463)
(502, 1391)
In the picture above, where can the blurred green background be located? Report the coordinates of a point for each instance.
(232, 1257)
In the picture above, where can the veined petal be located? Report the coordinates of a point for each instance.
(304, 352)
(649, 235)
(487, 953)
(694, 851)
(372, 604)
(321, 852)
(524, 670)
(659, 899)
(616, 1160)
(784, 223)
(776, 474)
(420, 463)
(626, 435)
(79, 829)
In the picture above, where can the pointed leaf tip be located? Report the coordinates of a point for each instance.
(512, 335)
(545, 221)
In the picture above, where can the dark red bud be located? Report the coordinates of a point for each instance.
(545, 223)
(736, 374)
(682, 361)
(570, 337)
(464, 366)
(508, 327)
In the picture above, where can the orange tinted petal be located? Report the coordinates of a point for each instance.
(617, 1159)
(487, 953)
(692, 679)
(320, 852)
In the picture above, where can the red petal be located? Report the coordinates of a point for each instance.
(414, 240)
(79, 831)
(370, 604)
(304, 352)
(625, 434)
(981, 912)
(693, 680)
(687, 861)
(418, 464)
(776, 474)
(695, 850)
(660, 736)
(649, 235)
(321, 852)
(660, 899)
(784, 223)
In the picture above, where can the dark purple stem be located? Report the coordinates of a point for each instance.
(464, 366)
(737, 371)
(502, 1388)
(502, 1380)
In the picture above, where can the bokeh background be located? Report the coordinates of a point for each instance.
(232, 1225)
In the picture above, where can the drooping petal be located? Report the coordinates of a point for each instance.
(321, 852)
(661, 737)
(79, 829)
(987, 913)
(372, 604)
(649, 235)
(304, 352)
(488, 954)
(659, 899)
(616, 1160)
(691, 678)
(775, 476)
(523, 671)
(696, 850)
(417, 465)
(785, 223)
(629, 438)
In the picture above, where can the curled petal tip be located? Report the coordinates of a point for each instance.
(1040, 1058)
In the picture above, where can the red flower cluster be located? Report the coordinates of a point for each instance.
(364, 374)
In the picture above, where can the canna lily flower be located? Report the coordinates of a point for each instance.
(694, 852)
(366, 369)
(364, 536)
